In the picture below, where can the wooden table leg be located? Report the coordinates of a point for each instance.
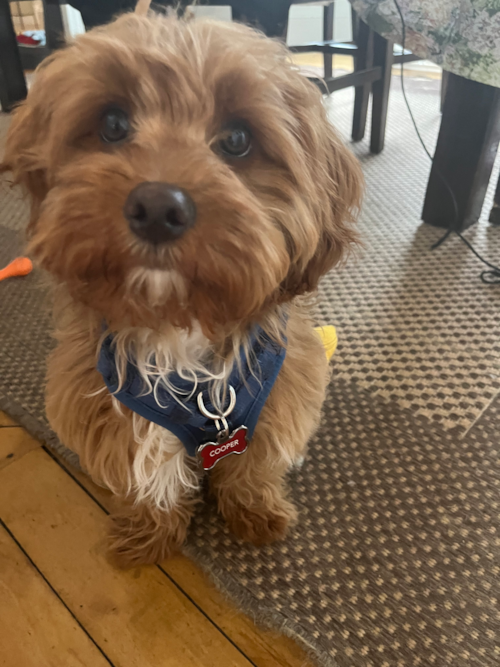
(12, 82)
(465, 153)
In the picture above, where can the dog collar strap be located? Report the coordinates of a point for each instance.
(252, 385)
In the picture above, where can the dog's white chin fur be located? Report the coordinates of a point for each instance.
(159, 284)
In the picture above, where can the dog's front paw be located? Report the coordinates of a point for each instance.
(261, 525)
(133, 543)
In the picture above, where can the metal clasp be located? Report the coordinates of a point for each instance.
(220, 419)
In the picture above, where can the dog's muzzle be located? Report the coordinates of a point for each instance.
(159, 212)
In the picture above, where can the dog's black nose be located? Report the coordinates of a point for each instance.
(159, 212)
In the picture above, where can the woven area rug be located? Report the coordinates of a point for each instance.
(395, 561)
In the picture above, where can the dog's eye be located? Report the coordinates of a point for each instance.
(236, 140)
(115, 125)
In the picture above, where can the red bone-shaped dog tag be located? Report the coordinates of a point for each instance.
(211, 452)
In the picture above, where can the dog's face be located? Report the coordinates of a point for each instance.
(181, 171)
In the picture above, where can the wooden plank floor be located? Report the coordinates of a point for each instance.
(63, 605)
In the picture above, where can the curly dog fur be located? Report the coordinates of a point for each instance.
(268, 226)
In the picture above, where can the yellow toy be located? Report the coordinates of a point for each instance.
(328, 337)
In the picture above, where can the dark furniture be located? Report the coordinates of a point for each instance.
(270, 15)
(15, 58)
(12, 82)
(374, 57)
(465, 153)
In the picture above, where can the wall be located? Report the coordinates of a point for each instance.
(305, 23)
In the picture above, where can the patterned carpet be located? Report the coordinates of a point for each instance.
(396, 558)
(417, 327)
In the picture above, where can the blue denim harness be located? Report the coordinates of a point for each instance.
(252, 387)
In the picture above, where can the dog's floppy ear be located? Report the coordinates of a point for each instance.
(25, 156)
(339, 187)
(333, 190)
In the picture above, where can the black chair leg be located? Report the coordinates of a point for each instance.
(54, 26)
(328, 11)
(355, 25)
(12, 82)
(363, 60)
(383, 57)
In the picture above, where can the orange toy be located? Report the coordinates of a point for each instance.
(20, 266)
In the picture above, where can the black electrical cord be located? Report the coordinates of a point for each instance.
(491, 276)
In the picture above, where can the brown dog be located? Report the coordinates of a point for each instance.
(186, 188)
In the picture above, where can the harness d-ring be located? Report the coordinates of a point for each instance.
(227, 411)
